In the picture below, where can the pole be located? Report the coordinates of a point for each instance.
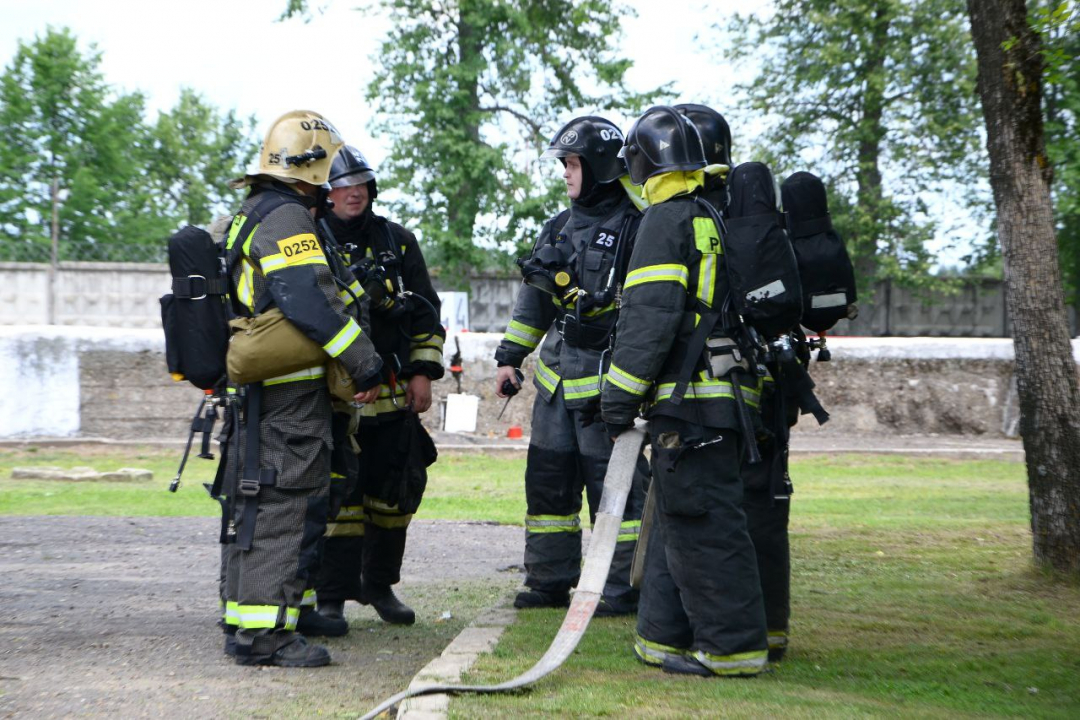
(54, 254)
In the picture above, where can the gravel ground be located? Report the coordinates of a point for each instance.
(116, 617)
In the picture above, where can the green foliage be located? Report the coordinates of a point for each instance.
(1059, 26)
(123, 185)
(878, 98)
(469, 92)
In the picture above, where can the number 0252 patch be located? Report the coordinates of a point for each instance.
(299, 248)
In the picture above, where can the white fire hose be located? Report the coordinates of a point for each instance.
(605, 533)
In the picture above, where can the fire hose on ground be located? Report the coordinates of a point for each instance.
(605, 532)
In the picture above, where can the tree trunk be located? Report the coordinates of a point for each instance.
(1010, 86)
(868, 193)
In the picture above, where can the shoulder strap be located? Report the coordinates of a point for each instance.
(558, 224)
(266, 204)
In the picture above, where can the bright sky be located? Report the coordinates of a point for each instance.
(236, 54)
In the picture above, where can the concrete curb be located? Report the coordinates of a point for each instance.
(479, 637)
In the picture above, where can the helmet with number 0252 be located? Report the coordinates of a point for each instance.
(299, 146)
(350, 167)
(596, 140)
(714, 131)
(662, 140)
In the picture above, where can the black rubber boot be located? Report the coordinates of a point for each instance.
(685, 665)
(387, 605)
(316, 624)
(297, 652)
(611, 607)
(529, 599)
(332, 609)
(776, 654)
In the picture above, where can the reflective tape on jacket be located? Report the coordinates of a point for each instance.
(426, 349)
(385, 402)
(707, 390)
(232, 613)
(344, 338)
(552, 523)
(747, 663)
(524, 335)
(706, 284)
(581, 388)
(309, 598)
(630, 383)
(546, 376)
(311, 373)
(383, 515)
(347, 298)
(658, 273)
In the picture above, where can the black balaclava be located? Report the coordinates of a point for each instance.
(594, 193)
(343, 229)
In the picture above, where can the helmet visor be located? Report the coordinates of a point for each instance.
(359, 178)
(559, 153)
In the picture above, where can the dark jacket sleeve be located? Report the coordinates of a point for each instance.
(534, 312)
(427, 334)
(653, 302)
(300, 282)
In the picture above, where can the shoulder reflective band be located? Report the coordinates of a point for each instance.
(523, 334)
(343, 339)
(657, 273)
(630, 383)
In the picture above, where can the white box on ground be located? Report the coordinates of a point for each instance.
(455, 312)
(461, 412)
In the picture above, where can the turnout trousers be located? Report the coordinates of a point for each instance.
(366, 543)
(701, 594)
(767, 503)
(563, 459)
(267, 584)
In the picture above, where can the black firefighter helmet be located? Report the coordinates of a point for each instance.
(350, 167)
(596, 140)
(714, 131)
(662, 140)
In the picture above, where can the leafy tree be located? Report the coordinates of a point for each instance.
(196, 151)
(877, 96)
(64, 125)
(1058, 23)
(469, 92)
(1010, 72)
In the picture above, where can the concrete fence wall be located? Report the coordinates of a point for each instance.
(105, 382)
(126, 295)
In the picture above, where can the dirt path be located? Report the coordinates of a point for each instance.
(116, 617)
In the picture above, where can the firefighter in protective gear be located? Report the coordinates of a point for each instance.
(766, 485)
(571, 283)
(701, 610)
(364, 547)
(280, 484)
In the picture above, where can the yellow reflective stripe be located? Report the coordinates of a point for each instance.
(629, 531)
(706, 237)
(356, 290)
(747, 663)
(778, 639)
(345, 337)
(707, 389)
(581, 387)
(523, 334)
(706, 285)
(658, 273)
(311, 373)
(292, 616)
(630, 383)
(599, 311)
(374, 503)
(245, 288)
(389, 522)
(320, 260)
(547, 377)
(349, 529)
(270, 263)
(350, 513)
(425, 354)
(653, 653)
(308, 599)
(232, 613)
(552, 523)
(255, 617)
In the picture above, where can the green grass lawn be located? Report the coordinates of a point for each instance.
(913, 592)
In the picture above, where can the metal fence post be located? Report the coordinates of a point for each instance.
(54, 253)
